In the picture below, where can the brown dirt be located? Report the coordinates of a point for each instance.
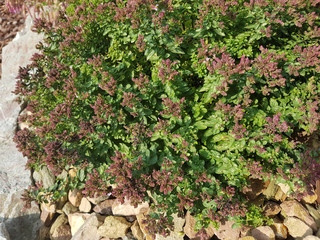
(10, 24)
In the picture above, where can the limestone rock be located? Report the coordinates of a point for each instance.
(75, 197)
(263, 233)
(44, 233)
(76, 220)
(69, 208)
(97, 199)
(189, 228)
(46, 217)
(255, 189)
(140, 219)
(61, 202)
(280, 230)
(14, 178)
(61, 220)
(293, 208)
(85, 205)
(311, 238)
(271, 209)
(126, 209)
(63, 232)
(104, 207)
(45, 176)
(226, 231)
(114, 227)
(314, 213)
(247, 238)
(4, 235)
(297, 228)
(136, 231)
(177, 233)
(22, 225)
(271, 190)
(310, 198)
(89, 230)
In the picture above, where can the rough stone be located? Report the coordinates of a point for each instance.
(271, 190)
(226, 231)
(126, 209)
(280, 230)
(14, 178)
(44, 233)
(314, 213)
(247, 238)
(89, 230)
(45, 176)
(61, 220)
(136, 231)
(271, 209)
(177, 233)
(311, 238)
(85, 205)
(46, 217)
(20, 224)
(189, 228)
(76, 220)
(114, 227)
(310, 198)
(97, 199)
(61, 202)
(263, 233)
(75, 197)
(255, 189)
(68, 208)
(4, 235)
(63, 232)
(104, 207)
(297, 228)
(293, 208)
(140, 218)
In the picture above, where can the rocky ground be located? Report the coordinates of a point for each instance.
(10, 24)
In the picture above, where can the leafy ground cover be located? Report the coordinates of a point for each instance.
(179, 103)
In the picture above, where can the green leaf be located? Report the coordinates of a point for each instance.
(149, 53)
(201, 125)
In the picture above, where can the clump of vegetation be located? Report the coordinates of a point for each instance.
(188, 100)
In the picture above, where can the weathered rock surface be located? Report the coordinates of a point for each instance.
(280, 230)
(85, 205)
(4, 235)
(75, 197)
(263, 233)
(76, 220)
(297, 228)
(126, 209)
(293, 208)
(104, 207)
(136, 231)
(45, 176)
(114, 227)
(271, 209)
(177, 233)
(226, 231)
(311, 238)
(189, 228)
(22, 225)
(68, 208)
(89, 230)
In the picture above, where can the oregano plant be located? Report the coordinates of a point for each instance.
(179, 103)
